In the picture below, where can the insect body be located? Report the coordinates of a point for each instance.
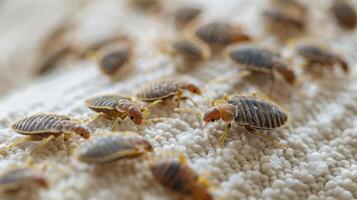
(179, 177)
(46, 126)
(317, 55)
(252, 113)
(117, 107)
(164, 89)
(115, 62)
(185, 15)
(261, 60)
(345, 14)
(109, 148)
(219, 34)
(17, 179)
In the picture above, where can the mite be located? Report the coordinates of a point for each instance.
(345, 14)
(315, 55)
(116, 107)
(191, 52)
(21, 178)
(113, 147)
(260, 60)
(186, 15)
(116, 62)
(250, 112)
(165, 89)
(47, 126)
(179, 177)
(218, 35)
(285, 18)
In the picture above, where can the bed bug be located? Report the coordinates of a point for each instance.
(314, 54)
(165, 89)
(113, 147)
(191, 52)
(17, 179)
(46, 126)
(261, 60)
(116, 62)
(218, 35)
(117, 107)
(179, 177)
(250, 112)
(345, 14)
(186, 15)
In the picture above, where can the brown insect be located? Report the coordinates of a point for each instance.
(285, 18)
(186, 15)
(317, 55)
(345, 14)
(47, 126)
(118, 108)
(190, 52)
(116, 62)
(261, 60)
(17, 179)
(113, 147)
(252, 113)
(165, 89)
(179, 177)
(218, 35)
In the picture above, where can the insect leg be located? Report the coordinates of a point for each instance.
(42, 144)
(225, 134)
(17, 141)
(116, 122)
(266, 137)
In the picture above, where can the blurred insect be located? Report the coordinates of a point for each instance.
(261, 60)
(344, 13)
(250, 112)
(185, 15)
(315, 55)
(118, 108)
(45, 127)
(160, 90)
(18, 179)
(116, 63)
(218, 35)
(147, 5)
(285, 19)
(113, 147)
(179, 177)
(190, 52)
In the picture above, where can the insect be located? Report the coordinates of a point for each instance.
(47, 126)
(250, 112)
(20, 178)
(218, 35)
(178, 176)
(186, 15)
(317, 55)
(261, 60)
(115, 63)
(118, 108)
(165, 89)
(285, 18)
(345, 14)
(113, 147)
(191, 52)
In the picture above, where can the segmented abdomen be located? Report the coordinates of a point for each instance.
(215, 33)
(158, 90)
(42, 124)
(175, 176)
(315, 54)
(106, 148)
(257, 113)
(190, 51)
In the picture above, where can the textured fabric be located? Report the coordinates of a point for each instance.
(321, 162)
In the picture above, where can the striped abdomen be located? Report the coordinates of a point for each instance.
(106, 104)
(189, 50)
(159, 90)
(110, 148)
(175, 176)
(257, 113)
(20, 178)
(215, 33)
(315, 54)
